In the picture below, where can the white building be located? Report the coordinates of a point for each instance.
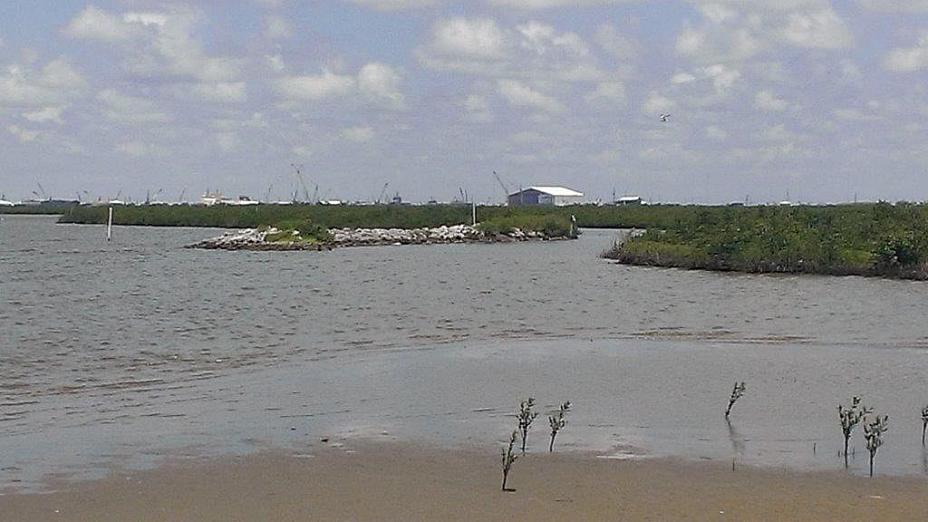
(557, 196)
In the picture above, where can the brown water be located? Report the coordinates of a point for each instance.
(115, 354)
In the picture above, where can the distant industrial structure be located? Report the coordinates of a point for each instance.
(628, 200)
(216, 198)
(554, 196)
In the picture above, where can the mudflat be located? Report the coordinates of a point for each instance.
(404, 482)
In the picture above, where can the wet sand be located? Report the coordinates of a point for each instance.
(399, 482)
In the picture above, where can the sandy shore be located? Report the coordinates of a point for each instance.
(396, 482)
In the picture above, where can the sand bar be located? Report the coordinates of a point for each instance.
(400, 482)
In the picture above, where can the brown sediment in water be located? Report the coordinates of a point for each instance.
(401, 482)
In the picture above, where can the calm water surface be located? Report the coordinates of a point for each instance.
(116, 354)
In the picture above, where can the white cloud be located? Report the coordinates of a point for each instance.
(767, 101)
(276, 62)
(380, 83)
(613, 91)
(851, 114)
(734, 31)
(820, 29)
(778, 132)
(95, 24)
(54, 83)
(139, 149)
(547, 4)
(542, 38)
(617, 45)
(657, 103)
(478, 109)
(395, 5)
(318, 87)
(895, 6)
(276, 27)
(23, 135)
(122, 108)
(358, 134)
(376, 83)
(227, 141)
(303, 151)
(478, 38)
(908, 59)
(157, 44)
(722, 76)
(478, 46)
(716, 133)
(682, 78)
(223, 92)
(520, 95)
(714, 44)
(45, 115)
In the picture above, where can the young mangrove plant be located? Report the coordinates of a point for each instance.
(526, 417)
(850, 418)
(873, 432)
(924, 423)
(558, 422)
(736, 394)
(509, 457)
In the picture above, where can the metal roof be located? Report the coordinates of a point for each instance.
(553, 191)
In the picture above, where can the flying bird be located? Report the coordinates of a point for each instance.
(664, 117)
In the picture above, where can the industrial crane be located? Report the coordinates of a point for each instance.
(383, 191)
(506, 191)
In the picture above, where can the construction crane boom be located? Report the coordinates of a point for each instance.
(382, 192)
(506, 190)
(299, 176)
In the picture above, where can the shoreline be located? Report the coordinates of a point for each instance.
(656, 261)
(396, 481)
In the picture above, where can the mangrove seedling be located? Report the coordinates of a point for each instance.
(736, 394)
(850, 418)
(557, 423)
(873, 432)
(924, 423)
(526, 417)
(509, 457)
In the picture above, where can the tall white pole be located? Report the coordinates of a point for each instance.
(109, 226)
(473, 212)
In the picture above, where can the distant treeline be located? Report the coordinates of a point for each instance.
(385, 216)
(862, 239)
(45, 208)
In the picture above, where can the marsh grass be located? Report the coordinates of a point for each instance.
(557, 423)
(850, 417)
(508, 457)
(924, 423)
(526, 416)
(736, 393)
(873, 432)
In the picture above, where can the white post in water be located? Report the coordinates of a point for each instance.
(109, 226)
(473, 212)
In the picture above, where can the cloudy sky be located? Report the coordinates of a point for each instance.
(815, 99)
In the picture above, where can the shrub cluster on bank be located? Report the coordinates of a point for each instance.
(871, 240)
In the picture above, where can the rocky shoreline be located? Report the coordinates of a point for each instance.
(256, 239)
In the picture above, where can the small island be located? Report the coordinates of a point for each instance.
(877, 240)
(310, 236)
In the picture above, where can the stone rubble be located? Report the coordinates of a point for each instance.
(254, 239)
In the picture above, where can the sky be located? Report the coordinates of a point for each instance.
(807, 100)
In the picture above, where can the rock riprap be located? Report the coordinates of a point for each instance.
(257, 239)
